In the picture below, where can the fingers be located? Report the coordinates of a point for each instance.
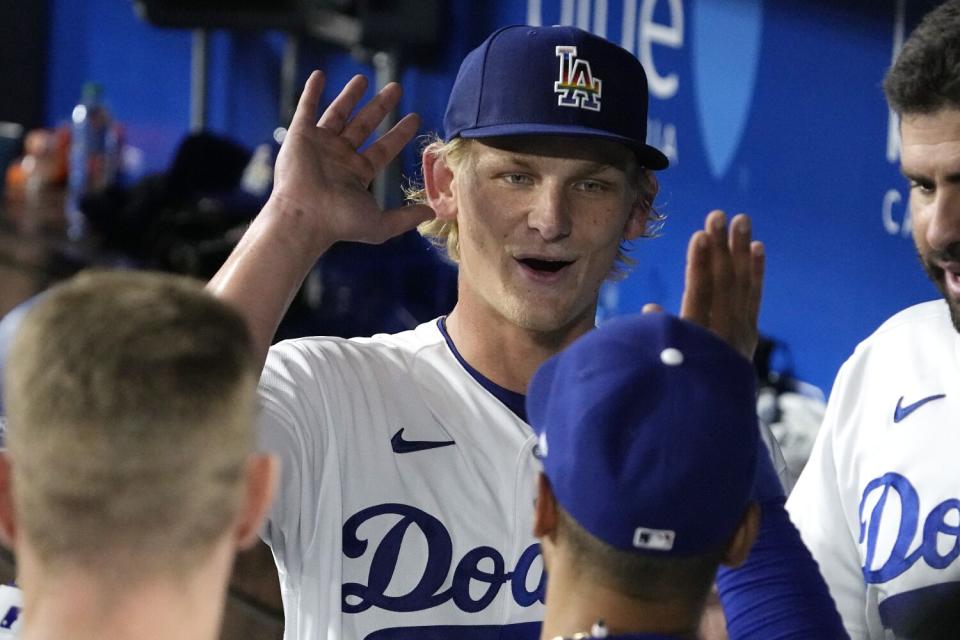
(386, 148)
(354, 130)
(741, 259)
(724, 280)
(651, 307)
(372, 114)
(307, 105)
(740, 256)
(757, 267)
(698, 281)
(402, 219)
(336, 115)
(722, 304)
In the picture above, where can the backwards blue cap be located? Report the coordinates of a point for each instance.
(552, 81)
(648, 434)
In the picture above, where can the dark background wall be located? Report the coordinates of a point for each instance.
(24, 32)
(772, 107)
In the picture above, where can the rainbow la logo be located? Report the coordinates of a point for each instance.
(576, 87)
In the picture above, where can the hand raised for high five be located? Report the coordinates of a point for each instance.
(724, 281)
(320, 196)
(322, 176)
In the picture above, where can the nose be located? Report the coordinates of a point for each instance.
(550, 214)
(943, 229)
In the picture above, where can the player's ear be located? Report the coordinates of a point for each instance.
(438, 183)
(637, 221)
(545, 519)
(743, 537)
(8, 523)
(262, 473)
(641, 211)
(545, 509)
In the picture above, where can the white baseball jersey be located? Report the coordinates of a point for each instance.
(406, 495)
(877, 503)
(11, 606)
(405, 505)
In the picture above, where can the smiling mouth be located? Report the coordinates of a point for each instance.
(545, 266)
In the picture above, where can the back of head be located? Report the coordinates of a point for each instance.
(649, 440)
(926, 74)
(130, 402)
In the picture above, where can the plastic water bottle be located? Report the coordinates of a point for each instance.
(88, 157)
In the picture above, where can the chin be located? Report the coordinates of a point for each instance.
(542, 317)
(937, 276)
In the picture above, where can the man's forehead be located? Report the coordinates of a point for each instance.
(594, 150)
(930, 139)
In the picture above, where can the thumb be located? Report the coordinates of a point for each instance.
(402, 219)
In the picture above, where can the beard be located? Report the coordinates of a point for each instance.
(937, 277)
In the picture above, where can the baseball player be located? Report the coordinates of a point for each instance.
(130, 477)
(879, 501)
(408, 475)
(640, 499)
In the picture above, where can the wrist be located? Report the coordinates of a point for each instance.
(287, 220)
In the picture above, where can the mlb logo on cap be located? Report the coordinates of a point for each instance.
(659, 540)
(648, 434)
(552, 81)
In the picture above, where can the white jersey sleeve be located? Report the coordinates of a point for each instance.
(289, 377)
(819, 511)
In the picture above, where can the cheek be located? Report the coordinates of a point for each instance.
(607, 226)
(919, 222)
(479, 231)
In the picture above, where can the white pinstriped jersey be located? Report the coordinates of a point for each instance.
(878, 503)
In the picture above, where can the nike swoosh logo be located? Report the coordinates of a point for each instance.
(902, 412)
(409, 446)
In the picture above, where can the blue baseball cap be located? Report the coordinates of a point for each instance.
(552, 81)
(648, 434)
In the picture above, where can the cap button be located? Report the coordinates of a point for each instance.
(671, 357)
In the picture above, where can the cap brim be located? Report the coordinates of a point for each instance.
(648, 156)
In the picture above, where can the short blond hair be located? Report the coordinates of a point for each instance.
(444, 234)
(130, 410)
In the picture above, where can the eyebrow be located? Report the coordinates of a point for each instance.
(592, 166)
(914, 176)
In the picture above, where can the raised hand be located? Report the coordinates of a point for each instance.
(319, 196)
(321, 175)
(724, 281)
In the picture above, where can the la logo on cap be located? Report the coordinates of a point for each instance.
(576, 87)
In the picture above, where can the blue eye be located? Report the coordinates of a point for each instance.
(517, 178)
(591, 186)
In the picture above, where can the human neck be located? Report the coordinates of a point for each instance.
(575, 603)
(78, 606)
(502, 351)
